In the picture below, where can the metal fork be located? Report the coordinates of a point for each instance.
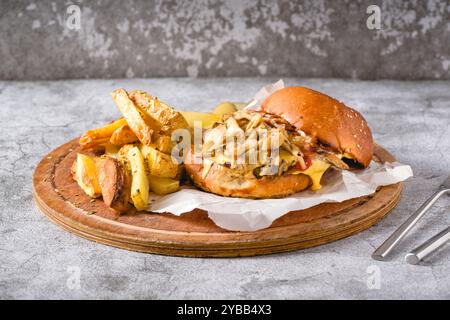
(402, 231)
(428, 247)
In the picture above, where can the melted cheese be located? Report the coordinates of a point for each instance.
(315, 172)
(287, 157)
(346, 155)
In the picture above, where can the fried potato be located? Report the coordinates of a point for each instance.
(207, 119)
(122, 156)
(168, 119)
(139, 180)
(224, 108)
(99, 137)
(85, 174)
(141, 124)
(163, 143)
(115, 183)
(160, 164)
(111, 150)
(123, 135)
(163, 185)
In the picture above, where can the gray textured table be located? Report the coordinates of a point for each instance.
(40, 260)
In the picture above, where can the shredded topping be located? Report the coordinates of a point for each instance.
(260, 144)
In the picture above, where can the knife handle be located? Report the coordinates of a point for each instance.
(428, 247)
(402, 231)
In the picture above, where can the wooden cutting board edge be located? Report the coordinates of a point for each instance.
(267, 241)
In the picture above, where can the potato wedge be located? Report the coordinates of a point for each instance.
(163, 185)
(122, 156)
(111, 150)
(168, 119)
(85, 174)
(160, 164)
(142, 125)
(139, 180)
(207, 119)
(163, 143)
(99, 137)
(123, 135)
(224, 108)
(115, 183)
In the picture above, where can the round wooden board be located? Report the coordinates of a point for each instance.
(193, 234)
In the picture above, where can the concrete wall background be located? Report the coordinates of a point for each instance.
(321, 38)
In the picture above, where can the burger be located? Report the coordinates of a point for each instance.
(282, 148)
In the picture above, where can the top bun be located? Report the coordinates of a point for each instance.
(333, 123)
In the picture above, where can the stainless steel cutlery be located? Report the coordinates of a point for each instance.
(426, 248)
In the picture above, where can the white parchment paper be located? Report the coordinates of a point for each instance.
(250, 215)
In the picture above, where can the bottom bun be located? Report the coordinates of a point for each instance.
(225, 182)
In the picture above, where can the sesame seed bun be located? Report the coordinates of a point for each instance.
(330, 121)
